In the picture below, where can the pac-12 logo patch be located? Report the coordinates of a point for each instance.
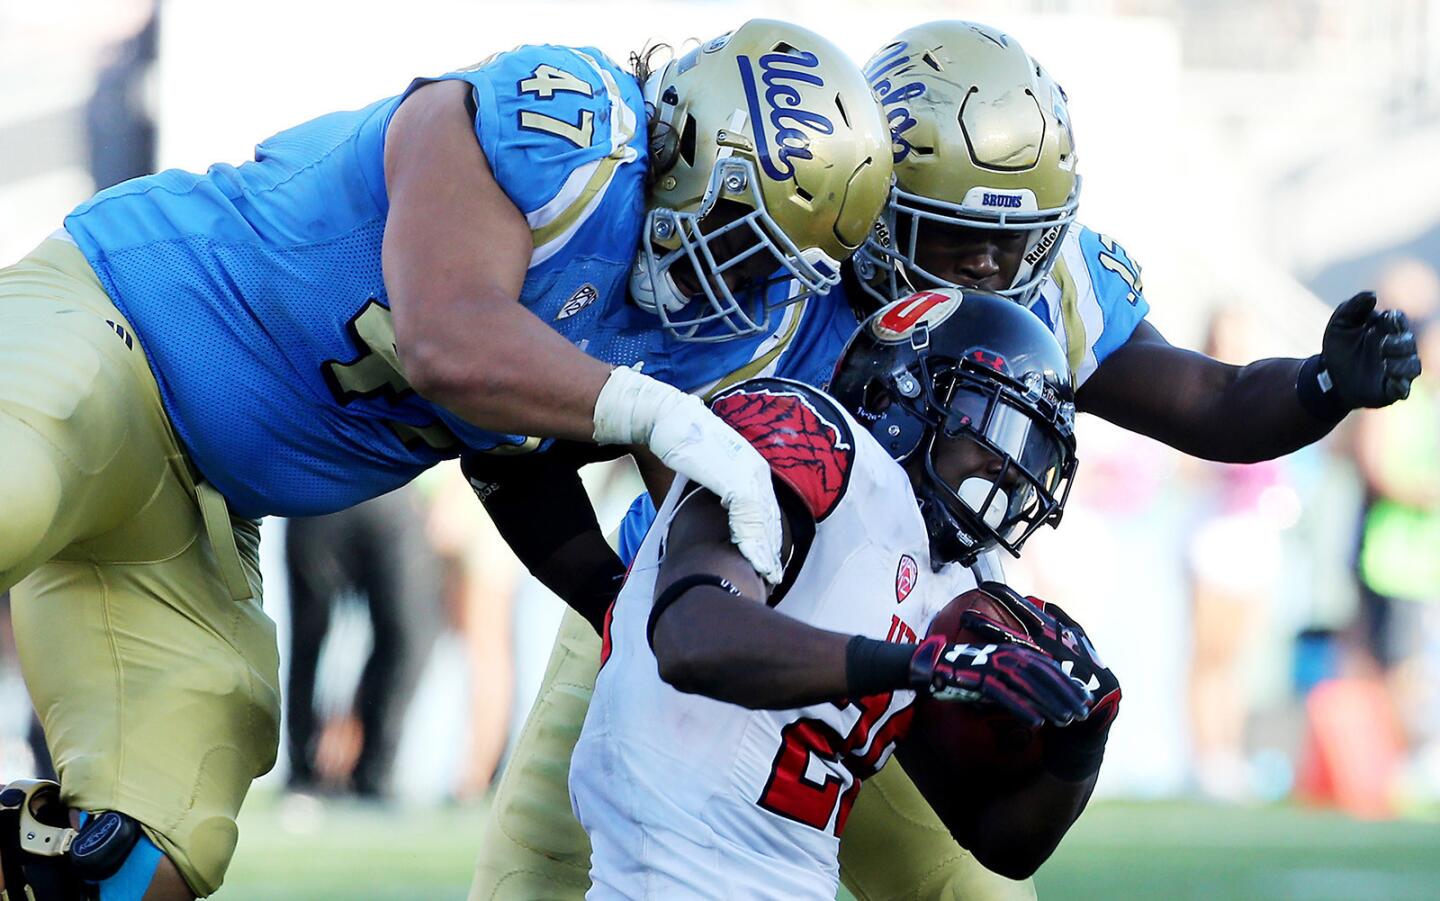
(906, 575)
(582, 298)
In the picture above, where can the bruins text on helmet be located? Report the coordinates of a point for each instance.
(981, 139)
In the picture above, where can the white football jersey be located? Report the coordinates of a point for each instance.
(688, 797)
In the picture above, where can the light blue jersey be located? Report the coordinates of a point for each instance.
(1092, 300)
(258, 295)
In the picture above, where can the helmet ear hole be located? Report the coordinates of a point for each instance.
(687, 141)
(877, 397)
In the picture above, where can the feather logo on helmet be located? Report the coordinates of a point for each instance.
(780, 72)
(895, 323)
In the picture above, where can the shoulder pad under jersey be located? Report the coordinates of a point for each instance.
(800, 431)
(554, 122)
(1094, 299)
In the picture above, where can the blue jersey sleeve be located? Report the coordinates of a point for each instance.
(1093, 299)
(547, 117)
(634, 527)
(1119, 291)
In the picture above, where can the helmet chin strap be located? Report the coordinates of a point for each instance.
(974, 490)
(651, 296)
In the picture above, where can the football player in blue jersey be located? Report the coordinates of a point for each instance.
(986, 197)
(445, 271)
(998, 212)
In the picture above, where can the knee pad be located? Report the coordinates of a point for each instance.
(43, 857)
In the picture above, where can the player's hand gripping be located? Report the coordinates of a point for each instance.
(697, 444)
(1369, 356)
(1052, 631)
(1019, 679)
(1073, 754)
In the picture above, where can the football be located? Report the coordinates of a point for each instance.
(979, 739)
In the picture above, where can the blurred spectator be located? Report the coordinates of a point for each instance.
(1234, 562)
(119, 127)
(1398, 454)
(378, 549)
(480, 577)
(1398, 553)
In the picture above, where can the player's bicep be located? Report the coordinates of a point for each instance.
(452, 235)
(1150, 386)
(697, 542)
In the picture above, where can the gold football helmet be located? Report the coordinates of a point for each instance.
(769, 160)
(981, 139)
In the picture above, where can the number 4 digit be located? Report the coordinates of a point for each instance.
(544, 82)
(547, 79)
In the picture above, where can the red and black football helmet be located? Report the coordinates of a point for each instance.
(952, 363)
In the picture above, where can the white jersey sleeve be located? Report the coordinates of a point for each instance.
(1093, 299)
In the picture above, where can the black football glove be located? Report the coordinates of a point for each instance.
(1021, 680)
(1074, 753)
(1367, 359)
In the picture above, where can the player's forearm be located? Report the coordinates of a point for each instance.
(742, 652)
(1205, 408)
(495, 364)
(1266, 419)
(1018, 830)
(1255, 415)
(541, 510)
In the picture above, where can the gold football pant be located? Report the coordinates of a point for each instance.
(157, 687)
(532, 847)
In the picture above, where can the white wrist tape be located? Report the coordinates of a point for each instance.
(629, 405)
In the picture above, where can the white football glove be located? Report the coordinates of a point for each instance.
(695, 443)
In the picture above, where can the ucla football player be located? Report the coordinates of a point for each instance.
(445, 271)
(986, 196)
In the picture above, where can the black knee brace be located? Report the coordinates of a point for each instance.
(43, 857)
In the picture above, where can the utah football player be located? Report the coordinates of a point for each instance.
(447, 270)
(732, 724)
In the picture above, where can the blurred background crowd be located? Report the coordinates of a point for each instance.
(1276, 626)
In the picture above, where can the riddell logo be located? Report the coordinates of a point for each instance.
(905, 575)
(1042, 247)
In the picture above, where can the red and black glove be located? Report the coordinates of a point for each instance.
(1019, 679)
(1074, 752)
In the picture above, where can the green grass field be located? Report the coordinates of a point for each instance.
(1170, 851)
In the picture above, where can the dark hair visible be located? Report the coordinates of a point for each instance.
(662, 140)
(642, 63)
